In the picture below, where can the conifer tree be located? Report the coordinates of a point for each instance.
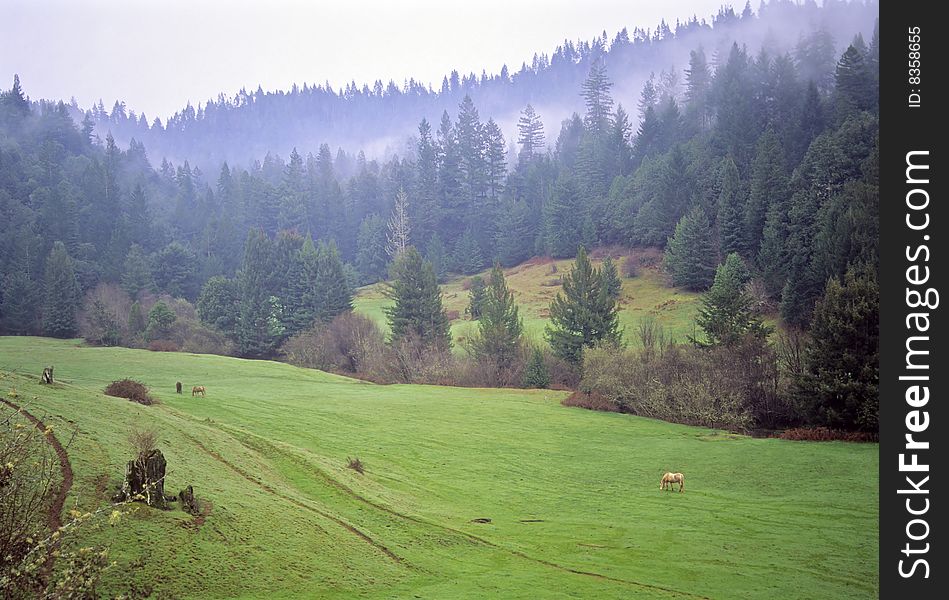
(175, 271)
(334, 297)
(583, 313)
(563, 219)
(731, 210)
(499, 326)
(768, 185)
(515, 234)
(61, 294)
(371, 256)
(137, 274)
(611, 280)
(536, 375)
(416, 313)
(727, 313)
(690, 254)
(843, 355)
(136, 322)
(260, 327)
(468, 258)
(530, 135)
(437, 254)
(477, 291)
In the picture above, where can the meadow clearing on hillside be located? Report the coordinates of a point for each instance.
(535, 284)
(572, 495)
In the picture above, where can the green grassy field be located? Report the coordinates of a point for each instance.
(572, 495)
(533, 284)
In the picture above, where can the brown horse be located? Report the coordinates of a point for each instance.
(198, 389)
(670, 478)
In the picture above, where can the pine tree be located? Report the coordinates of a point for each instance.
(416, 312)
(61, 294)
(423, 212)
(854, 81)
(598, 101)
(690, 255)
(563, 219)
(731, 208)
(468, 258)
(477, 292)
(698, 78)
(371, 257)
(334, 294)
(515, 234)
(727, 314)
(583, 313)
(437, 254)
(260, 328)
(614, 287)
(530, 135)
(536, 375)
(843, 355)
(137, 274)
(20, 297)
(499, 326)
(768, 186)
(175, 271)
(136, 322)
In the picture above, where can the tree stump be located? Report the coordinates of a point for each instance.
(144, 480)
(189, 503)
(48, 375)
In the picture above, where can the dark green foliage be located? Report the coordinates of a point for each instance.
(416, 313)
(61, 294)
(768, 187)
(260, 326)
(499, 326)
(333, 294)
(843, 355)
(137, 274)
(436, 254)
(536, 375)
(583, 313)
(160, 320)
(371, 257)
(515, 241)
(175, 271)
(137, 323)
(468, 258)
(611, 280)
(477, 296)
(218, 305)
(727, 313)
(731, 208)
(19, 301)
(563, 219)
(530, 135)
(690, 254)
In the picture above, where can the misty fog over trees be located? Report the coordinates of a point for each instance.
(755, 134)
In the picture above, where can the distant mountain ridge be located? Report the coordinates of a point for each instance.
(381, 120)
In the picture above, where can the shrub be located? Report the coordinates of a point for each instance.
(536, 374)
(629, 268)
(452, 315)
(824, 434)
(346, 345)
(103, 320)
(163, 346)
(142, 441)
(131, 390)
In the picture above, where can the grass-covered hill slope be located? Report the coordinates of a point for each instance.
(572, 495)
(536, 283)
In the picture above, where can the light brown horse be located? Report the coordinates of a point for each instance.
(198, 389)
(670, 478)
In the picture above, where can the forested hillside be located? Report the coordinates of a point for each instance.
(770, 154)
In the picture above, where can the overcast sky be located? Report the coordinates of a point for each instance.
(158, 55)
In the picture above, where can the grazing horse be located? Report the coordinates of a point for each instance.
(178, 387)
(198, 389)
(670, 478)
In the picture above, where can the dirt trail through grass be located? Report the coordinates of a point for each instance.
(55, 516)
(244, 474)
